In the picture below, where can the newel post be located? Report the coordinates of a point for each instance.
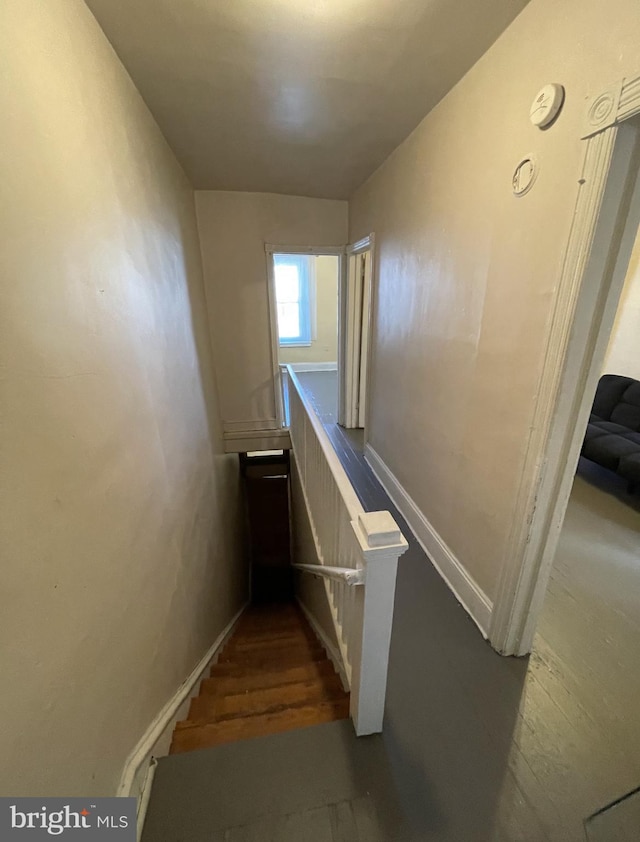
(382, 544)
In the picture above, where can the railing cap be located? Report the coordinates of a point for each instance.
(379, 529)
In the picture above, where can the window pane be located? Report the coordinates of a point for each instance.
(288, 320)
(287, 283)
(291, 280)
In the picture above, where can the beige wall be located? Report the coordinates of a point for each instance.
(623, 353)
(324, 344)
(466, 272)
(234, 228)
(120, 545)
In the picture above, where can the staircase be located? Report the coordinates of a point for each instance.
(273, 675)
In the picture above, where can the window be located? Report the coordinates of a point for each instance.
(292, 279)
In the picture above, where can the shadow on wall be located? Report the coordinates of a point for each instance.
(226, 473)
(192, 270)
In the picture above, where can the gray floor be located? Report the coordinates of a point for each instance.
(312, 784)
(476, 748)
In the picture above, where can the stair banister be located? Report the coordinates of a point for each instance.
(340, 574)
(363, 546)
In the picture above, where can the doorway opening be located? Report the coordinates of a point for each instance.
(321, 312)
(588, 634)
(304, 297)
(357, 315)
(597, 259)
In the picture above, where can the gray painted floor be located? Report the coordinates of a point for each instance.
(476, 748)
(312, 784)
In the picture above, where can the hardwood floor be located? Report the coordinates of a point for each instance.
(272, 676)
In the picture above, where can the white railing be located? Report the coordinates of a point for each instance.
(338, 574)
(347, 538)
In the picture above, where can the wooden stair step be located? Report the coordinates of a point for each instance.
(265, 627)
(243, 644)
(228, 680)
(236, 669)
(213, 708)
(265, 662)
(271, 635)
(269, 650)
(247, 727)
(272, 609)
(271, 615)
(263, 633)
(273, 675)
(268, 659)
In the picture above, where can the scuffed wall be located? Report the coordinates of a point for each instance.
(121, 556)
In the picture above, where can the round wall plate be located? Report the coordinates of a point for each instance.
(524, 175)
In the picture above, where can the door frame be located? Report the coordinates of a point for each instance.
(271, 249)
(597, 254)
(350, 303)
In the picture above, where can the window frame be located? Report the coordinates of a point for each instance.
(302, 262)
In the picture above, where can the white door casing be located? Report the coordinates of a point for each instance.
(605, 223)
(358, 314)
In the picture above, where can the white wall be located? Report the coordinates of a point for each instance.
(623, 353)
(234, 228)
(466, 271)
(324, 342)
(120, 521)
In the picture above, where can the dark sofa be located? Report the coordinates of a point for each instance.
(613, 435)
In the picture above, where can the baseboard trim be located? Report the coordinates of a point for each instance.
(467, 591)
(132, 781)
(145, 796)
(332, 652)
(257, 440)
(254, 425)
(313, 366)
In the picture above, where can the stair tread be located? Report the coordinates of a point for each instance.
(272, 675)
(227, 680)
(269, 615)
(276, 644)
(267, 660)
(203, 736)
(272, 636)
(210, 708)
(265, 668)
(291, 626)
(271, 655)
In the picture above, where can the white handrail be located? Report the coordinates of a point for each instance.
(342, 480)
(345, 538)
(339, 574)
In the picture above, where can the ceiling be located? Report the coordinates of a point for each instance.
(305, 97)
